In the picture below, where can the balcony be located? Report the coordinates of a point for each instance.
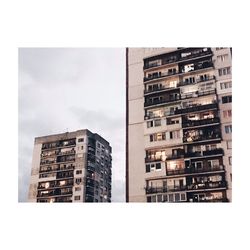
(157, 101)
(160, 75)
(214, 152)
(196, 108)
(196, 123)
(153, 190)
(198, 94)
(159, 89)
(185, 83)
(195, 170)
(59, 144)
(201, 138)
(207, 185)
(177, 59)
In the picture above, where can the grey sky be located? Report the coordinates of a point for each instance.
(68, 89)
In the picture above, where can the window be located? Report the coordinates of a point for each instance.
(177, 197)
(229, 144)
(81, 147)
(158, 166)
(225, 85)
(174, 134)
(226, 99)
(147, 168)
(228, 129)
(219, 48)
(153, 198)
(222, 58)
(150, 124)
(157, 123)
(213, 163)
(197, 165)
(77, 198)
(77, 188)
(153, 167)
(224, 71)
(230, 160)
(157, 137)
(227, 113)
(159, 198)
(78, 180)
(78, 171)
(81, 140)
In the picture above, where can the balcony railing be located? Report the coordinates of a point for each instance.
(198, 94)
(202, 122)
(147, 103)
(58, 144)
(194, 170)
(217, 151)
(160, 88)
(196, 108)
(177, 59)
(152, 190)
(161, 75)
(207, 185)
(207, 199)
(184, 83)
(201, 138)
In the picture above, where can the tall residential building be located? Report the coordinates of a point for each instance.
(71, 167)
(179, 125)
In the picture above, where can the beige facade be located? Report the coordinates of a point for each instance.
(178, 148)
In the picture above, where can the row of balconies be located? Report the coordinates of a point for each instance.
(213, 152)
(159, 75)
(177, 58)
(58, 144)
(197, 138)
(195, 170)
(57, 153)
(190, 187)
(177, 97)
(179, 84)
(193, 123)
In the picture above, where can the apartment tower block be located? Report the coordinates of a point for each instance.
(179, 125)
(71, 167)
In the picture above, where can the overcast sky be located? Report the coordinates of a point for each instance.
(64, 89)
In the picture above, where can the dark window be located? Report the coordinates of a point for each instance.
(147, 168)
(80, 139)
(158, 165)
(78, 171)
(227, 99)
(151, 137)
